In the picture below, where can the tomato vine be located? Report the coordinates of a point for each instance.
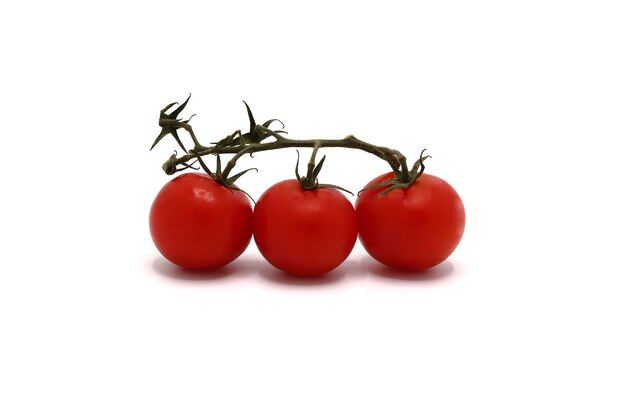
(239, 144)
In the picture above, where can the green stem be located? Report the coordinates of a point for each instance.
(310, 179)
(395, 159)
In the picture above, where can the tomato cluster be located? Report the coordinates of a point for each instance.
(405, 219)
(197, 223)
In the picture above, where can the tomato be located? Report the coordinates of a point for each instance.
(304, 232)
(414, 228)
(197, 223)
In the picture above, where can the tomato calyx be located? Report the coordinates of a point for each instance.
(222, 178)
(402, 179)
(310, 181)
(170, 124)
(255, 135)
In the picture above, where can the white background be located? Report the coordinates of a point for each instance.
(521, 105)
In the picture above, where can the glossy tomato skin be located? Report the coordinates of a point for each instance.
(304, 232)
(197, 223)
(414, 228)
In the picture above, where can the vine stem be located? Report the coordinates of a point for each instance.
(396, 160)
(310, 179)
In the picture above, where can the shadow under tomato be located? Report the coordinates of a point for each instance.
(441, 271)
(270, 273)
(240, 267)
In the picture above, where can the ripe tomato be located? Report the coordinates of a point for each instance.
(304, 232)
(197, 223)
(414, 228)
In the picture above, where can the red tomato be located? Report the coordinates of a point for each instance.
(304, 232)
(197, 223)
(414, 228)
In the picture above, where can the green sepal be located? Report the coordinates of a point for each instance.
(170, 123)
(396, 183)
(250, 117)
(298, 166)
(269, 123)
(392, 188)
(329, 186)
(218, 165)
(257, 133)
(231, 180)
(318, 168)
(377, 185)
(180, 108)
